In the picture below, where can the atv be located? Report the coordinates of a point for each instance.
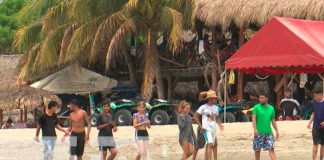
(234, 113)
(162, 112)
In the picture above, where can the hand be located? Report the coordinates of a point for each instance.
(256, 133)
(221, 127)
(201, 128)
(322, 124)
(36, 139)
(66, 133)
(309, 125)
(86, 138)
(115, 129)
(277, 135)
(147, 122)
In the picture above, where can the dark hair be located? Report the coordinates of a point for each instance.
(106, 101)
(318, 91)
(75, 102)
(263, 94)
(9, 120)
(52, 104)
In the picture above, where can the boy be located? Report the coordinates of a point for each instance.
(105, 125)
(263, 115)
(48, 122)
(78, 136)
(210, 118)
(318, 126)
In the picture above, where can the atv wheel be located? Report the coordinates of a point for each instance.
(174, 119)
(123, 117)
(93, 119)
(160, 117)
(241, 117)
(230, 117)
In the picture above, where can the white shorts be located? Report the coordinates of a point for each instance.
(210, 137)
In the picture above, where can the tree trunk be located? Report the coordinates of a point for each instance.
(216, 60)
(151, 68)
(131, 68)
(1, 116)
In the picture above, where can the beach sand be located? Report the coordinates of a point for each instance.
(235, 143)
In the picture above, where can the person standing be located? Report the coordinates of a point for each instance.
(141, 123)
(106, 127)
(187, 137)
(263, 115)
(78, 136)
(317, 118)
(210, 119)
(48, 122)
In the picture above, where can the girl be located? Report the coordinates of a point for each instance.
(141, 123)
(186, 136)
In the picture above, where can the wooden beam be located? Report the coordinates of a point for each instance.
(172, 62)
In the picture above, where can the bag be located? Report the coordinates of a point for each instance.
(201, 141)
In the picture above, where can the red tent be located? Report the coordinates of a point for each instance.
(281, 46)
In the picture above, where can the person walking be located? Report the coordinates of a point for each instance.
(263, 115)
(187, 137)
(106, 127)
(317, 118)
(141, 123)
(47, 123)
(210, 120)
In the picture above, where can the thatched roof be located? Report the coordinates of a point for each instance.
(244, 12)
(14, 96)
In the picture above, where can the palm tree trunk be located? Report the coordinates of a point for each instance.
(131, 68)
(158, 75)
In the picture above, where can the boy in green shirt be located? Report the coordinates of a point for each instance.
(263, 115)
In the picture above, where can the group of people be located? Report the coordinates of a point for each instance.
(207, 118)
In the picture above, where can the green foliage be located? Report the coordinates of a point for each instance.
(8, 23)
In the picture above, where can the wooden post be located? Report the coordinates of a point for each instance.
(170, 88)
(21, 115)
(25, 114)
(1, 116)
(240, 78)
(239, 85)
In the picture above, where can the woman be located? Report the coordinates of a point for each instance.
(141, 123)
(186, 136)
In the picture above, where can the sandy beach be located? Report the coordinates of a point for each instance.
(235, 143)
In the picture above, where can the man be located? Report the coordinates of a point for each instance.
(210, 118)
(105, 125)
(263, 115)
(318, 126)
(289, 107)
(8, 124)
(48, 122)
(78, 136)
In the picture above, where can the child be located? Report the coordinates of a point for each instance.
(105, 125)
(141, 123)
(186, 135)
(48, 122)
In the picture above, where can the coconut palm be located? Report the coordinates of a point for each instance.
(71, 30)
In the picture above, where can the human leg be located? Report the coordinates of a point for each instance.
(113, 153)
(272, 154)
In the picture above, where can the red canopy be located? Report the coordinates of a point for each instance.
(282, 45)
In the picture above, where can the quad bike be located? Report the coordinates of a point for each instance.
(234, 113)
(162, 112)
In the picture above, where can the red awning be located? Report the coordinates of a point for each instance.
(283, 45)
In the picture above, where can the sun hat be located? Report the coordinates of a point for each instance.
(211, 95)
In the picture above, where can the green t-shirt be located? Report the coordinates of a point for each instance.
(264, 115)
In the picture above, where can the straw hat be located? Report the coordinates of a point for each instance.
(211, 95)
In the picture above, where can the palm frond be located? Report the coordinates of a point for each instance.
(174, 41)
(27, 71)
(128, 28)
(105, 32)
(68, 33)
(26, 37)
(56, 16)
(82, 37)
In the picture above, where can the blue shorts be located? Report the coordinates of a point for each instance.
(49, 145)
(263, 141)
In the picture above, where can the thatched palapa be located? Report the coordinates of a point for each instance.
(244, 12)
(13, 96)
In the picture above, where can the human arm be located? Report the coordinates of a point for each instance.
(220, 125)
(202, 95)
(196, 118)
(86, 119)
(311, 119)
(274, 124)
(254, 125)
(60, 128)
(37, 133)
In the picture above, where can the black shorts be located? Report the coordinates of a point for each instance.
(318, 136)
(77, 142)
(141, 135)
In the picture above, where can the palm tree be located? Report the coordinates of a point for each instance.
(71, 30)
(150, 18)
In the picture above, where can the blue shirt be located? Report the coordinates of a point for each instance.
(318, 109)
